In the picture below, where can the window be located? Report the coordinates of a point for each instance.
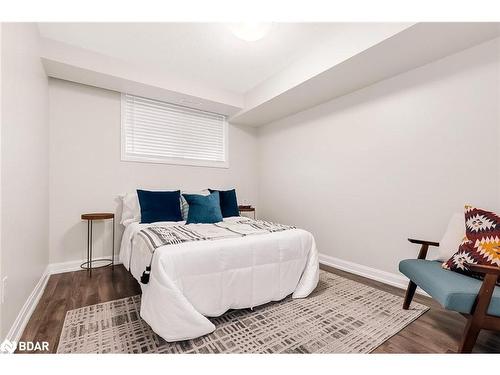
(159, 132)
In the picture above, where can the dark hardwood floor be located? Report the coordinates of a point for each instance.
(437, 331)
(71, 290)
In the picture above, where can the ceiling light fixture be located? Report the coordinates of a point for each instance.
(251, 31)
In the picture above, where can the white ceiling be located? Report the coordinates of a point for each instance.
(206, 53)
(293, 68)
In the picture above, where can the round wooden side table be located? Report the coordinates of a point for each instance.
(91, 217)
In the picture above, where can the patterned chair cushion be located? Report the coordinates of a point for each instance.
(481, 244)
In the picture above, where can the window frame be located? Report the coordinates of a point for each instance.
(172, 160)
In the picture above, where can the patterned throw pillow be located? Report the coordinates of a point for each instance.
(481, 244)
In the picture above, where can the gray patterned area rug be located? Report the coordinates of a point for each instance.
(340, 316)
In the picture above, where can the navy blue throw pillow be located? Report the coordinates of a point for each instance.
(228, 202)
(159, 205)
(203, 209)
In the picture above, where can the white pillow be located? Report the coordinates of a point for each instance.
(184, 203)
(131, 210)
(455, 232)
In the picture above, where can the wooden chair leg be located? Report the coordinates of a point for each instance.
(469, 337)
(410, 292)
(478, 315)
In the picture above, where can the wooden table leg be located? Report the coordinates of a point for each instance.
(113, 247)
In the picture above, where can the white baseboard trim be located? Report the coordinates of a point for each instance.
(17, 328)
(399, 281)
(70, 266)
(62, 267)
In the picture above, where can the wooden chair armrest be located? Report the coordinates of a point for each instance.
(492, 270)
(423, 242)
(425, 246)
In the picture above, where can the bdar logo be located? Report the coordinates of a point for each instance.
(8, 346)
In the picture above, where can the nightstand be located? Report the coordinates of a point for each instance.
(91, 217)
(247, 209)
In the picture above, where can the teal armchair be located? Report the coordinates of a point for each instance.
(477, 300)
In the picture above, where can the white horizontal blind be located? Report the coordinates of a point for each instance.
(156, 131)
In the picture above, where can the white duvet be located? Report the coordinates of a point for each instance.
(195, 280)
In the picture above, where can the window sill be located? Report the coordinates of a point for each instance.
(178, 162)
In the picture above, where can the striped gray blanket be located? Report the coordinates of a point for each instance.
(158, 235)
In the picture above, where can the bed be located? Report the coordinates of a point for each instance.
(192, 281)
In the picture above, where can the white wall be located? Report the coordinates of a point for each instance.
(24, 166)
(86, 173)
(394, 160)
